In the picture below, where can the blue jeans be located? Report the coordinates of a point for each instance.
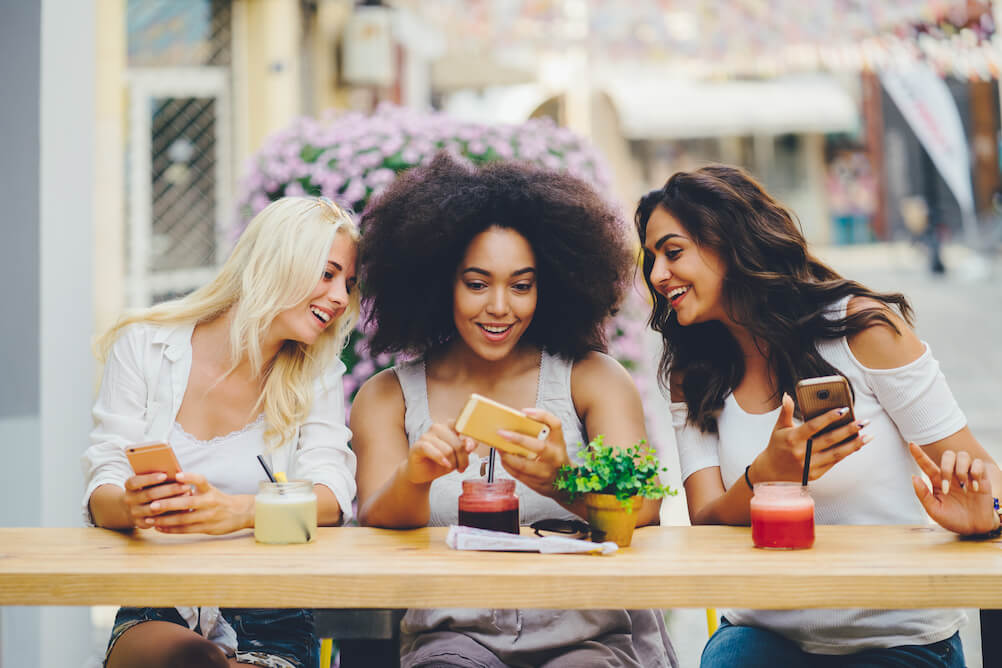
(753, 647)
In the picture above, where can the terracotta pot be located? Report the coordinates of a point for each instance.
(606, 513)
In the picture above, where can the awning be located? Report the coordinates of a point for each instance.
(652, 107)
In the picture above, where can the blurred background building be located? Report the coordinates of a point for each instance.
(128, 125)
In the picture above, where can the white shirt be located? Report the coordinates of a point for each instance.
(871, 486)
(145, 378)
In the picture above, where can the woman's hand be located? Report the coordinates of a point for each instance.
(141, 491)
(539, 471)
(961, 497)
(783, 458)
(438, 451)
(205, 510)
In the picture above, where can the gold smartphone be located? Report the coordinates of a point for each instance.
(153, 458)
(816, 396)
(481, 418)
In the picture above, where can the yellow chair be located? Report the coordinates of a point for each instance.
(712, 622)
(326, 652)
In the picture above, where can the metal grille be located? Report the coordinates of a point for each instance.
(174, 33)
(183, 183)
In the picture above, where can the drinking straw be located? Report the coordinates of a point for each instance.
(271, 476)
(267, 471)
(807, 462)
(490, 466)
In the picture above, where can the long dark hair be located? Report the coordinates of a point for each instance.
(773, 287)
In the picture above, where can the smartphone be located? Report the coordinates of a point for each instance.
(153, 457)
(822, 394)
(481, 418)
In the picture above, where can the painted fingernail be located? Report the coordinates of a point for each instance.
(161, 477)
(866, 438)
(974, 485)
(862, 423)
(945, 487)
(155, 506)
(504, 433)
(842, 411)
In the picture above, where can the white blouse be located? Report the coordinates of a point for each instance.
(145, 378)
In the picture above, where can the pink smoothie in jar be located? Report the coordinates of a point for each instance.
(782, 516)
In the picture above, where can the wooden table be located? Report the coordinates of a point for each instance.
(875, 566)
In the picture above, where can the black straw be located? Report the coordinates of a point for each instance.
(267, 471)
(807, 462)
(490, 466)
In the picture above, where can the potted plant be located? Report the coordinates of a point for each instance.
(614, 482)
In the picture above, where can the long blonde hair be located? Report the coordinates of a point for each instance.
(275, 265)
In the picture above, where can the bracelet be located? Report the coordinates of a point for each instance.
(752, 487)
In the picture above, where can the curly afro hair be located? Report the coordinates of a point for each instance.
(417, 231)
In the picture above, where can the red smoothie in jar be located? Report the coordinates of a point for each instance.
(489, 505)
(782, 516)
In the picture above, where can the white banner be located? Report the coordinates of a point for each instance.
(925, 101)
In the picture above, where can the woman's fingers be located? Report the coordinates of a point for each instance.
(195, 480)
(138, 482)
(533, 445)
(926, 464)
(925, 497)
(836, 436)
(550, 420)
(962, 470)
(947, 466)
(434, 450)
(979, 477)
(823, 460)
(813, 426)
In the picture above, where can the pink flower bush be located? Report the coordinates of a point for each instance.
(349, 157)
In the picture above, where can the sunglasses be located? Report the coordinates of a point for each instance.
(568, 529)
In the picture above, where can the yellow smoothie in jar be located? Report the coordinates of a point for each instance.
(285, 512)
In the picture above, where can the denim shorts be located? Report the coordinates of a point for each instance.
(270, 638)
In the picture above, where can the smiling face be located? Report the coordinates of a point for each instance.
(495, 292)
(691, 278)
(305, 321)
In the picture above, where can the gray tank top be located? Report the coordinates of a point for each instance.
(520, 637)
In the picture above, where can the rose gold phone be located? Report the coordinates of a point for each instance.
(481, 418)
(822, 394)
(153, 458)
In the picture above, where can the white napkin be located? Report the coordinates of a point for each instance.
(468, 538)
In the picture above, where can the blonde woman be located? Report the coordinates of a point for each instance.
(246, 365)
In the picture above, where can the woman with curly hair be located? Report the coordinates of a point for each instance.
(498, 280)
(746, 312)
(246, 365)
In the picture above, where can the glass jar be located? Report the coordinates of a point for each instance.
(285, 512)
(489, 505)
(782, 516)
